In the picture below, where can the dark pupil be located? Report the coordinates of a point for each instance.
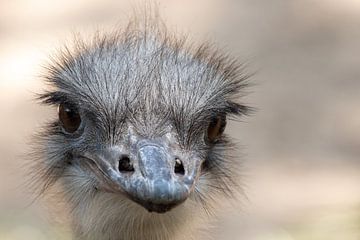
(69, 118)
(216, 127)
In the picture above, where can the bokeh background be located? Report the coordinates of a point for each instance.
(301, 148)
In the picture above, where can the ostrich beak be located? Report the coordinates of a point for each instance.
(151, 176)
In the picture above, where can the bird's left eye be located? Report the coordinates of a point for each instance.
(69, 118)
(216, 128)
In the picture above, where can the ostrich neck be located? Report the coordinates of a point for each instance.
(111, 219)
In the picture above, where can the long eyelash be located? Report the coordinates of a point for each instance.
(238, 109)
(56, 98)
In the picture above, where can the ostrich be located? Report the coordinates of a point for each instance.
(138, 147)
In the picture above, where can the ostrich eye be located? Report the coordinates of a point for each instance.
(69, 118)
(216, 128)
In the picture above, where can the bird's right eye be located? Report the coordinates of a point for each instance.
(69, 118)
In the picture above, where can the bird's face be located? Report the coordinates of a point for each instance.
(146, 124)
(149, 163)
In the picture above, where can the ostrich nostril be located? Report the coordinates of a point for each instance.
(179, 167)
(125, 164)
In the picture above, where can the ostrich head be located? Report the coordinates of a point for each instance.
(138, 144)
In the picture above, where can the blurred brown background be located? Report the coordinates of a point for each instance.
(301, 148)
